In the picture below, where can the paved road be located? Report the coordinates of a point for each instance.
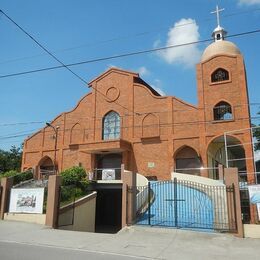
(19, 251)
(30, 241)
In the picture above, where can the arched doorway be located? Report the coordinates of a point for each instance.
(187, 161)
(46, 166)
(233, 154)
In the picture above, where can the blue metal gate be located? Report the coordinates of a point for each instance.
(184, 204)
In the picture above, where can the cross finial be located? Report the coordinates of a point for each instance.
(217, 12)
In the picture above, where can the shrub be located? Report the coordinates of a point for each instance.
(74, 184)
(66, 193)
(9, 173)
(18, 177)
(23, 176)
(73, 176)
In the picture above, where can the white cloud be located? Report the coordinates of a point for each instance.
(158, 87)
(249, 2)
(183, 31)
(143, 71)
(112, 66)
(160, 91)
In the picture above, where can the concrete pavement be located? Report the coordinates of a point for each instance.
(137, 241)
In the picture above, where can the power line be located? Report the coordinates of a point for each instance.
(126, 115)
(99, 59)
(41, 46)
(122, 55)
(23, 123)
(54, 57)
(125, 37)
(89, 130)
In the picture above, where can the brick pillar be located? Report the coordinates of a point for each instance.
(54, 183)
(6, 184)
(128, 197)
(231, 177)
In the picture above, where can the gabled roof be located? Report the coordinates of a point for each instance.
(110, 70)
(136, 76)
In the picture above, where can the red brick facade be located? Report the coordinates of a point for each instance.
(154, 129)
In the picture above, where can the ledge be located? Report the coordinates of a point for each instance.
(222, 121)
(78, 202)
(151, 139)
(220, 82)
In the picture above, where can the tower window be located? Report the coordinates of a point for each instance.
(222, 111)
(111, 126)
(219, 75)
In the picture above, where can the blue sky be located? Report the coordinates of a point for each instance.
(84, 30)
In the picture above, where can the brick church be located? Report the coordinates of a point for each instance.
(123, 120)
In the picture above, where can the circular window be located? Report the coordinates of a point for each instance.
(112, 94)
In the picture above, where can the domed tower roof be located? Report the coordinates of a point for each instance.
(220, 47)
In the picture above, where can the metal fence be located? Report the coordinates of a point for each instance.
(249, 211)
(185, 204)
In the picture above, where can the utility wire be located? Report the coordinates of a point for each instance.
(89, 130)
(23, 123)
(99, 59)
(126, 115)
(123, 55)
(125, 37)
(42, 47)
(54, 57)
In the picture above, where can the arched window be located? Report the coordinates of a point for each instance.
(111, 126)
(222, 111)
(187, 161)
(219, 75)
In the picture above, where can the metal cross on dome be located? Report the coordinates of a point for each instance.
(217, 12)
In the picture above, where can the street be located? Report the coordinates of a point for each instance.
(20, 240)
(18, 251)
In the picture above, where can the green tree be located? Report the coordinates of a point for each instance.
(10, 160)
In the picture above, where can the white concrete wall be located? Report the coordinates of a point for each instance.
(252, 230)
(84, 214)
(141, 180)
(197, 179)
(142, 195)
(31, 218)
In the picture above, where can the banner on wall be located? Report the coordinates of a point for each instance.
(26, 200)
(254, 196)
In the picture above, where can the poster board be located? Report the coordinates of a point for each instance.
(108, 174)
(26, 200)
(254, 196)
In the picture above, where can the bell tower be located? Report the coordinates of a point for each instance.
(223, 99)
